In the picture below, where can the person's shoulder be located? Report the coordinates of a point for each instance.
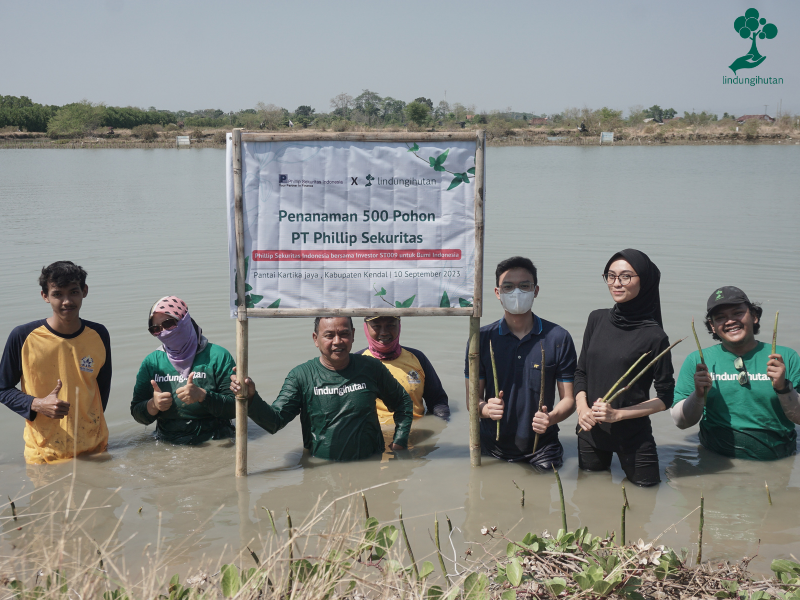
(20, 332)
(305, 369)
(553, 329)
(491, 327)
(217, 351)
(418, 353)
(787, 353)
(98, 327)
(364, 359)
(598, 314)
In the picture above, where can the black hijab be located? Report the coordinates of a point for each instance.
(645, 309)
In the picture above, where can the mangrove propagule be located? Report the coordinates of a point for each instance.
(496, 389)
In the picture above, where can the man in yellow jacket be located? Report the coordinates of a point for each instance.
(62, 365)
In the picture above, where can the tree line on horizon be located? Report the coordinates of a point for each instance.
(367, 109)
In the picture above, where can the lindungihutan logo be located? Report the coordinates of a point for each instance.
(752, 27)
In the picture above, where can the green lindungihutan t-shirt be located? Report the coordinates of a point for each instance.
(337, 408)
(743, 421)
(188, 423)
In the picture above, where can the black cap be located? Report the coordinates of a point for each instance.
(725, 295)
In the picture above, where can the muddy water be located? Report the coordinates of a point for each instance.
(149, 223)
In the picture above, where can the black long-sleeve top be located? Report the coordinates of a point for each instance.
(607, 353)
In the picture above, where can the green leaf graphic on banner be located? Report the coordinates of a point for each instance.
(445, 301)
(251, 300)
(471, 171)
(439, 161)
(455, 183)
(275, 304)
(463, 302)
(248, 287)
(414, 148)
(405, 303)
(382, 292)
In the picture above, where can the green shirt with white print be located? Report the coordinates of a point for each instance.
(743, 421)
(188, 423)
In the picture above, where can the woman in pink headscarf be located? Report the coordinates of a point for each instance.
(409, 366)
(184, 385)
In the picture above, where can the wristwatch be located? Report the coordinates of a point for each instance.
(787, 388)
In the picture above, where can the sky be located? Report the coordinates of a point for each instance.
(532, 56)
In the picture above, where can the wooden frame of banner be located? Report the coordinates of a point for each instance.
(243, 313)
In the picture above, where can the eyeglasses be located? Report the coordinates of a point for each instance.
(744, 376)
(166, 324)
(624, 279)
(525, 286)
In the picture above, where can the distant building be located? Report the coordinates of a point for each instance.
(765, 118)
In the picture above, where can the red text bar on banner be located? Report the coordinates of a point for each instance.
(318, 255)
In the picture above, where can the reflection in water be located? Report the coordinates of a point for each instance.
(594, 201)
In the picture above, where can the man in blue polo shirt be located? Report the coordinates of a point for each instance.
(517, 340)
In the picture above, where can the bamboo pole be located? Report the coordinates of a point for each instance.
(474, 390)
(477, 306)
(477, 300)
(366, 136)
(282, 313)
(241, 320)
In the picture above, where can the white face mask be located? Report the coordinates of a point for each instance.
(517, 302)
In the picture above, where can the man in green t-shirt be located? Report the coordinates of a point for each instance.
(334, 395)
(752, 404)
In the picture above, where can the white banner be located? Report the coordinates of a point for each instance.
(336, 224)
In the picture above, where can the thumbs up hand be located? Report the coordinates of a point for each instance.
(161, 400)
(190, 393)
(50, 406)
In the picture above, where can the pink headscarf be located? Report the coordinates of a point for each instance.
(384, 351)
(170, 305)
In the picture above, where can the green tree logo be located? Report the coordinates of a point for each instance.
(750, 26)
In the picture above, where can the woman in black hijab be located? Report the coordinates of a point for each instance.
(615, 339)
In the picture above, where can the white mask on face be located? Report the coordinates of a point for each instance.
(517, 302)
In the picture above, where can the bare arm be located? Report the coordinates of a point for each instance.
(563, 409)
(585, 418)
(689, 411)
(487, 409)
(602, 412)
(790, 403)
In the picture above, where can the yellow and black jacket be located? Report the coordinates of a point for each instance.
(36, 357)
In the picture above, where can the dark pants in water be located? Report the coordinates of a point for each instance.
(543, 460)
(639, 463)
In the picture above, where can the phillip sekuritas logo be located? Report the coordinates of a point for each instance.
(752, 27)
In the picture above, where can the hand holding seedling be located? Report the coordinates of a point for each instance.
(190, 393)
(702, 380)
(541, 421)
(161, 400)
(602, 412)
(50, 406)
(236, 387)
(493, 409)
(776, 371)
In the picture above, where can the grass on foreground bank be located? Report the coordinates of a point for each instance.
(340, 552)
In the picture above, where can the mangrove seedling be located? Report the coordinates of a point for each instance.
(439, 548)
(643, 371)
(621, 379)
(496, 388)
(700, 535)
(408, 546)
(541, 397)
(271, 520)
(702, 360)
(775, 334)
(622, 527)
(14, 508)
(561, 495)
(366, 508)
(522, 498)
(625, 497)
(769, 496)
